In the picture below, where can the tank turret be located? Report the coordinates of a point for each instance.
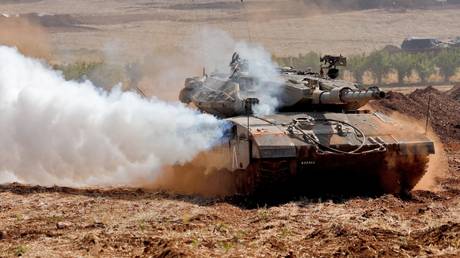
(224, 95)
(305, 90)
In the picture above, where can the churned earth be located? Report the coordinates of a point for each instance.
(56, 221)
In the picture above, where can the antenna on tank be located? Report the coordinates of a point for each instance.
(140, 92)
(247, 21)
(428, 114)
(248, 110)
(248, 104)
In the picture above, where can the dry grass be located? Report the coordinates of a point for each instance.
(128, 222)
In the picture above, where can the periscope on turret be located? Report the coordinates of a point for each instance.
(319, 139)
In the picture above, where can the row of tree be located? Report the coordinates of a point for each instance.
(380, 64)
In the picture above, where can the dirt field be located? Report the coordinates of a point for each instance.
(46, 222)
(57, 221)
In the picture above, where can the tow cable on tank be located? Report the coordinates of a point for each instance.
(300, 125)
(339, 125)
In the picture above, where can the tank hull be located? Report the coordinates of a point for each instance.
(268, 159)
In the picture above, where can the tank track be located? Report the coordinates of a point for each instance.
(391, 173)
(396, 175)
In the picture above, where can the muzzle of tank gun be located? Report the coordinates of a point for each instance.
(378, 94)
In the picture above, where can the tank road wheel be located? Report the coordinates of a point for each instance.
(403, 173)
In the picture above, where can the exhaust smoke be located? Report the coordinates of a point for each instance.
(213, 48)
(71, 133)
(261, 67)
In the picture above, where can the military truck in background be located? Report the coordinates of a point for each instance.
(416, 44)
(419, 44)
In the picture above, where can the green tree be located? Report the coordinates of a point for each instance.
(424, 65)
(379, 65)
(402, 63)
(448, 61)
(357, 65)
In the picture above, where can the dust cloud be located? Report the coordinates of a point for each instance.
(437, 164)
(208, 174)
(30, 39)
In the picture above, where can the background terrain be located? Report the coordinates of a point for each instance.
(283, 27)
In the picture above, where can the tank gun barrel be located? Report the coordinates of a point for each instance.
(362, 95)
(347, 95)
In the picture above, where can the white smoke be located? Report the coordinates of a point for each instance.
(261, 66)
(54, 131)
(214, 49)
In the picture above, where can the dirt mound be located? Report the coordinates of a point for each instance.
(29, 38)
(444, 115)
(455, 92)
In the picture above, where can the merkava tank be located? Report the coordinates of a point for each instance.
(317, 141)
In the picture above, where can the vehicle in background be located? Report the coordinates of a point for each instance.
(455, 42)
(416, 44)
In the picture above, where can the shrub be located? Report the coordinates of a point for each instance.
(448, 61)
(357, 66)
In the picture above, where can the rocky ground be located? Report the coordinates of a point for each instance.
(65, 222)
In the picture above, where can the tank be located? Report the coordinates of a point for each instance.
(319, 140)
